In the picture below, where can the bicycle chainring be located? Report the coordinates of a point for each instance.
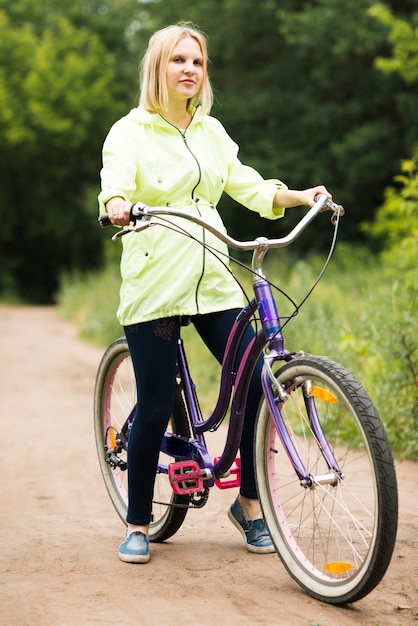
(198, 500)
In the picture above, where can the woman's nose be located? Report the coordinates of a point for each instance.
(189, 68)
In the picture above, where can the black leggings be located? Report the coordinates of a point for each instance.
(153, 348)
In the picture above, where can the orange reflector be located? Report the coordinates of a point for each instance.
(338, 567)
(323, 394)
(112, 438)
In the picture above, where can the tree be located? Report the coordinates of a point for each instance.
(55, 82)
(396, 223)
(396, 228)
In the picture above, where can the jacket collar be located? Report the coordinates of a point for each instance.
(142, 116)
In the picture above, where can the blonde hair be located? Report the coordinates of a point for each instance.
(153, 68)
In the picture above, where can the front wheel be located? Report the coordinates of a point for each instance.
(114, 407)
(335, 539)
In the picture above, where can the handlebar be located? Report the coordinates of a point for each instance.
(141, 216)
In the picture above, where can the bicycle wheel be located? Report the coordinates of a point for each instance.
(335, 540)
(114, 402)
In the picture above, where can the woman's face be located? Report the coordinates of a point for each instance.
(185, 71)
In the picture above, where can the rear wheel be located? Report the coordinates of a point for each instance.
(114, 404)
(334, 536)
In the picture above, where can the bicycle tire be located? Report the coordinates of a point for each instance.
(336, 541)
(114, 400)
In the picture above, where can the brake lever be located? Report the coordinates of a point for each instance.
(337, 209)
(139, 225)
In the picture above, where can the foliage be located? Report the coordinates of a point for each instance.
(53, 115)
(91, 300)
(396, 324)
(393, 332)
(396, 223)
(403, 37)
(396, 228)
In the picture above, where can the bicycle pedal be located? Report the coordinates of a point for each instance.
(222, 482)
(185, 477)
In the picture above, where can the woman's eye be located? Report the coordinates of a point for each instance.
(182, 60)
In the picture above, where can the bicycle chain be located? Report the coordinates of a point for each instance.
(196, 501)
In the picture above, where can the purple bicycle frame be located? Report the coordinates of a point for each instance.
(240, 379)
(271, 334)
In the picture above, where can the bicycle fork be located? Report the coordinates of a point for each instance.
(275, 396)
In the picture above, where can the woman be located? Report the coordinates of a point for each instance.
(169, 151)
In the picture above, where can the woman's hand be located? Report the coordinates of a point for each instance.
(119, 211)
(288, 198)
(309, 195)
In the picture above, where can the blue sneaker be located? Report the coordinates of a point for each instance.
(135, 548)
(255, 533)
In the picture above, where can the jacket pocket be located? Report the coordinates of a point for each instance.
(135, 257)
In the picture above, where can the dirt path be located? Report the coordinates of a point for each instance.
(59, 533)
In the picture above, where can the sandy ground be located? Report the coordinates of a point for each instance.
(59, 533)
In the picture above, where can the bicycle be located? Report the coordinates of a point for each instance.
(324, 468)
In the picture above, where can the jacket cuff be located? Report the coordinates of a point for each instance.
(105, 195)
(276, 212)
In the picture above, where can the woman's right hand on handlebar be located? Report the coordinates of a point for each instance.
(119, 211)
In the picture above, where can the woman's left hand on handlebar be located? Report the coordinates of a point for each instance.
(311, 194)
(292, 197)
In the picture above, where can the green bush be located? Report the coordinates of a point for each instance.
(364, 315)
(91, 301)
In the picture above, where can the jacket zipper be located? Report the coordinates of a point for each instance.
(183, 134)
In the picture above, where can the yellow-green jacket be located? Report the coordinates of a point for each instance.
(147, 159)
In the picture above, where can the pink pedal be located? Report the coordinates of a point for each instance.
(235, 470)
(185, 477)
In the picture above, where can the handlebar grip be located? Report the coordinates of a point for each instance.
(137, 210)
(104, 221)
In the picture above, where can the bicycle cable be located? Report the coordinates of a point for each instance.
(218, 254)
(321, 273)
